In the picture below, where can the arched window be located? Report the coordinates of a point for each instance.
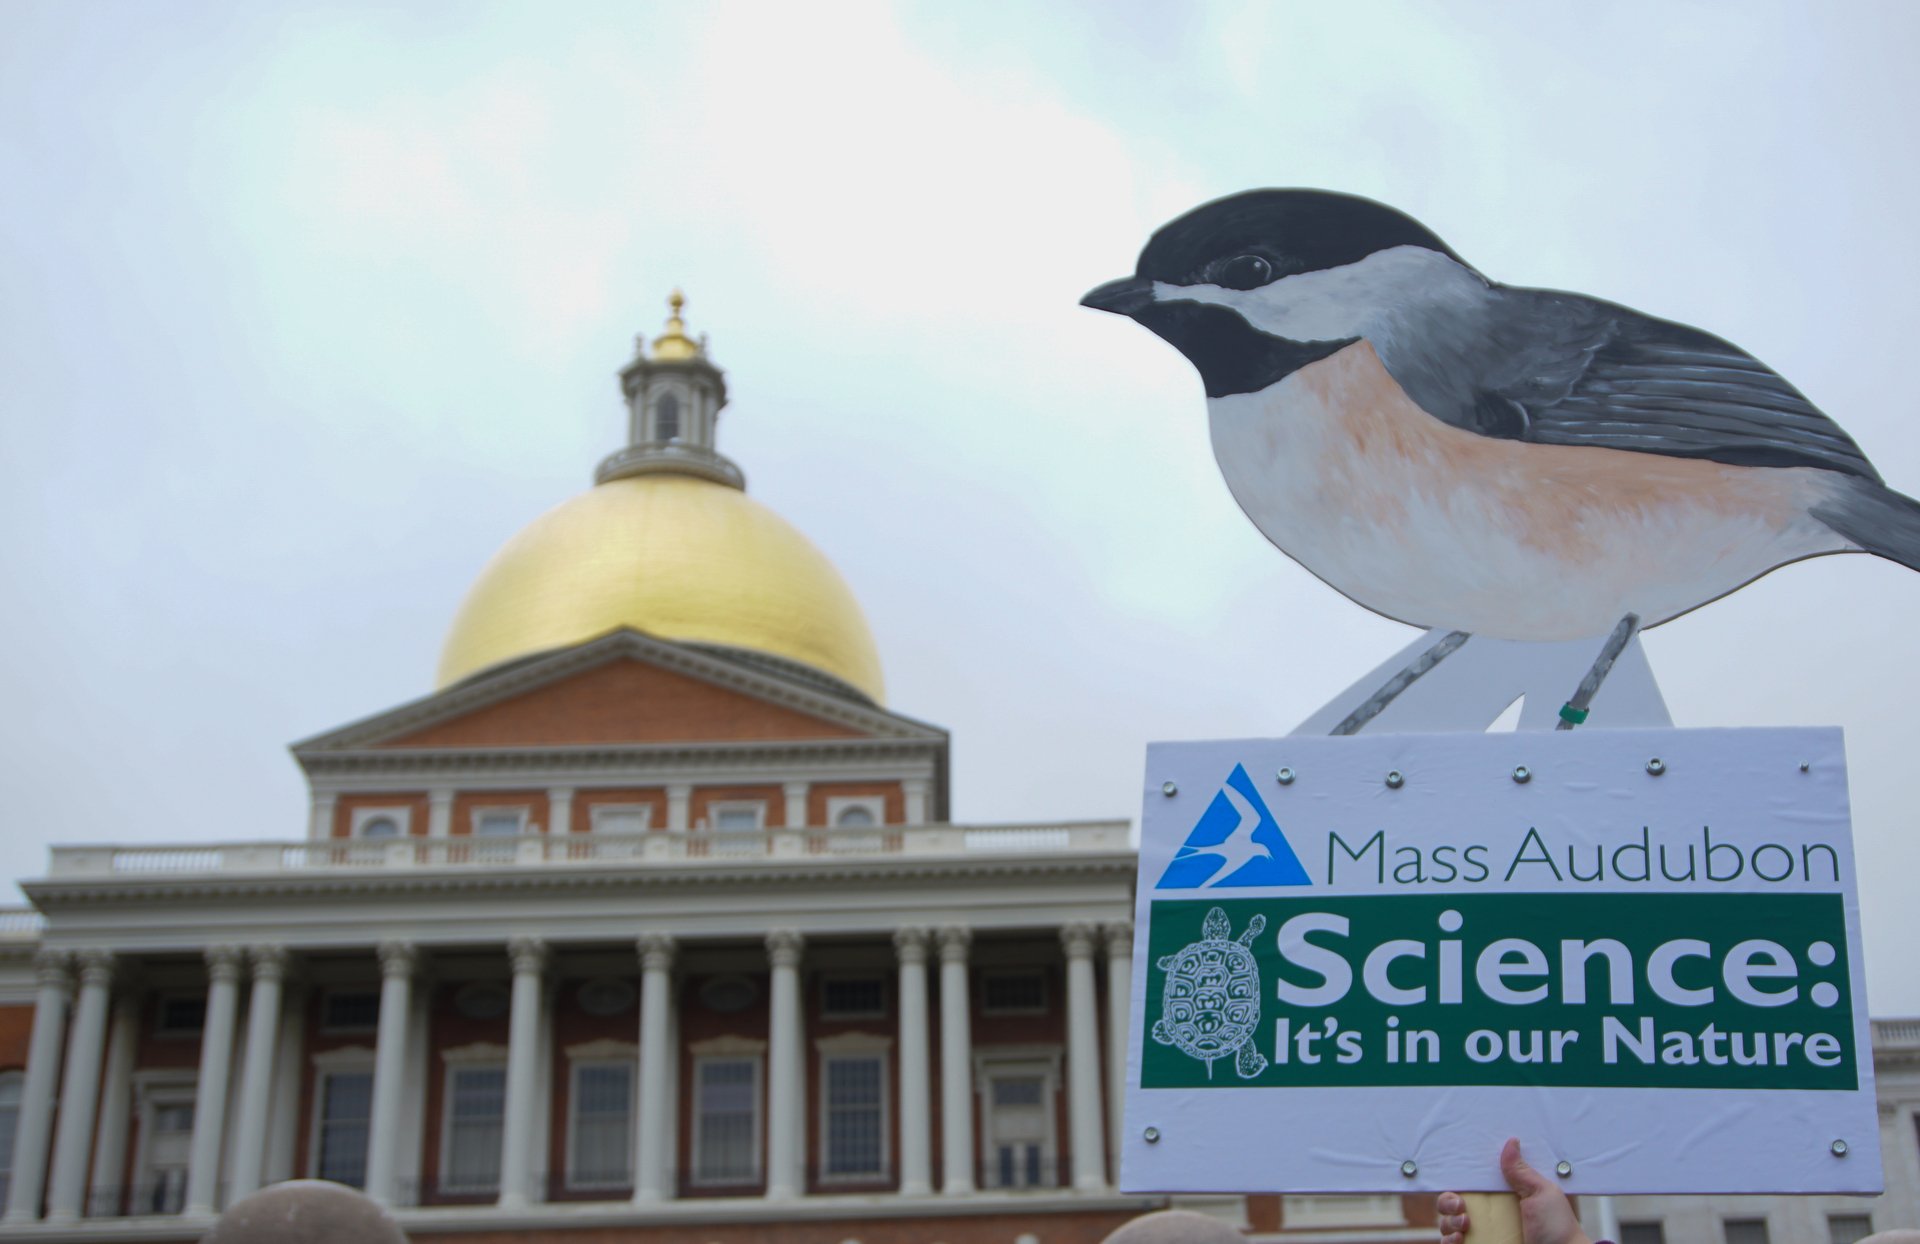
(666, 418)
(10, 1083)
(380, 827)
(854, 816)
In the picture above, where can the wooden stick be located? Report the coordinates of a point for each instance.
(1492, 1217)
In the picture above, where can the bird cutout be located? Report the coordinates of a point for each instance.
(1513, 466)
(1238, 847)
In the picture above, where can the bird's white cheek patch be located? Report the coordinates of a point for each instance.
(1335, 303)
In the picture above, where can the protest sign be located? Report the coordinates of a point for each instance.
(1362, 963)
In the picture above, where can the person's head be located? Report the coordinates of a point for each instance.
(305, 1211)
(1176, 1226)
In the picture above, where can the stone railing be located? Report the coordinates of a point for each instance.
(1891, 1033)
(668, 847)
(20, 924)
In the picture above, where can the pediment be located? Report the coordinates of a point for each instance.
(622, 689)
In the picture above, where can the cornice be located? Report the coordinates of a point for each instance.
(51, 895)
(590, 757)
(486, 689)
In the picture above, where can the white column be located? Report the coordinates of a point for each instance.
(256, 1072)
(915, 790)
(916, 1140)
(796, 793)
(560, 810)
(216, 1069)
(389, 1067)
(439, 812)
(52, 967)
(105, 1196)
(519, 1145)
(679, 805)
(653, 1124)
(1119, 1017)
(1083, 1062)
(287, 1067)
(956, 1063)
(320, 819)
(80, 1089)
(786, 1072)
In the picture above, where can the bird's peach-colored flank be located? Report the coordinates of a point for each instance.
(1438, 526)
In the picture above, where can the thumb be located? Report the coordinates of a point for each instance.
(1523, 1179)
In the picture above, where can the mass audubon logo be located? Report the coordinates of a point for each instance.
(1235, 843)
(1210, 1000)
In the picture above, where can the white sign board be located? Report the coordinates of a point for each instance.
(1360, 964)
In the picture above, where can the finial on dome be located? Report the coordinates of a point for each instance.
(674, 345)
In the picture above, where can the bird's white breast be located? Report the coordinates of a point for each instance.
(1437, 526)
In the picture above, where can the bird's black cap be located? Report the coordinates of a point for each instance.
(1293, 230)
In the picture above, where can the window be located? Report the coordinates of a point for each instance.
(738, 816)
(1642, 1233)
(666, 418)
(1746, 1231)
(853, 997)
(1019, 1132)
(622, 818)
(346, 1113)
(1015, 991)
(166, 1144)
(1848, 1228)
(380, 822)
(356, 1010)
(476, 1115)
(499, 822)
(180, 1015)
(9, 1120)
(856, 811)
(853, 1096)
(1342, 1211)
(854, 817)
(726, 1121)
(600, 1146)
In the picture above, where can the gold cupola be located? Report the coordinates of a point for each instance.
(666, 542)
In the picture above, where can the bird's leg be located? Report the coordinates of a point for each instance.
(1574, 711)
(1379, 700)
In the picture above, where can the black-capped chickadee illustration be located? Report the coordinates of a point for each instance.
(1480, 459)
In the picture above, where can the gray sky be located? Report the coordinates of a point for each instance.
(305, 310)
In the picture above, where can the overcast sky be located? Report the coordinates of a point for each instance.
(305, 310)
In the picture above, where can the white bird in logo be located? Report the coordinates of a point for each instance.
(1237, 847)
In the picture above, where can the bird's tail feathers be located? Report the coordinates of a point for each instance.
(1875, 519)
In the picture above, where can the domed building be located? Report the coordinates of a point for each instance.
(647, 924)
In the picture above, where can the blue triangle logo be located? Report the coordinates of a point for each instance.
(1236, 842)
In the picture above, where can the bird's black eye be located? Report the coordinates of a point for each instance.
(1244, 272)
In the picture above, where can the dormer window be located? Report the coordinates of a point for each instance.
(666, 418)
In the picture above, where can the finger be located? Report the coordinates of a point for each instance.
(1451, 1203)
(1521, 1178)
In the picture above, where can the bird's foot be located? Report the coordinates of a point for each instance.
(1574, 711)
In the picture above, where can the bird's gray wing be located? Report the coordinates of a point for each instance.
(1561, 369)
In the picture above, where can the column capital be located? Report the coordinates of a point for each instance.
(223, 963)
(96, 968)
(441, 795)
(53, 969)
(656, 951)
(910, 944)
(529, 955)
(784, 947)
(559, 792)
(1119, 935)
(795, 788)
(955, 940)
(1078, 939)
(269, 963)
(398, 959)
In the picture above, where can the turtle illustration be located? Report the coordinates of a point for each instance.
(1211, 1001)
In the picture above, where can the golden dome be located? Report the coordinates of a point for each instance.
(676, 556)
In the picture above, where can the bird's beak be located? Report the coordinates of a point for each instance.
(1127, 296)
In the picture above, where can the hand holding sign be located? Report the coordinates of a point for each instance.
(1546, 1216)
